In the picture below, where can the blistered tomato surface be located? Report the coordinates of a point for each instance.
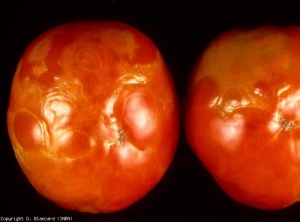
(93, 115)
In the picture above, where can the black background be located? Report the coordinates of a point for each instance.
(181, 31)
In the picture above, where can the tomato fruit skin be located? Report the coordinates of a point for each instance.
(93, 115)
(242, 114)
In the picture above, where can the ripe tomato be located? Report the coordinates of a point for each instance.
(93, 116)
(243, 114)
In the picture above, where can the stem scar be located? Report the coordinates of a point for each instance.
(286, 125)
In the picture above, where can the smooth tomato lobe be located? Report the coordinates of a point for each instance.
(25, 122)
(138, 115)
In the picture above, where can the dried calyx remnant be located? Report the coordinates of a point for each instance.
(122, 136)
(286, 125)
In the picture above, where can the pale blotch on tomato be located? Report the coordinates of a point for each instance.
(120, 41)
(38, 55)
(82, 59)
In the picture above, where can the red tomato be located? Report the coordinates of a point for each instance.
(243, 115)
(93, 116)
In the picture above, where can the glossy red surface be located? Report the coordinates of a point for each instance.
(243, 112)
